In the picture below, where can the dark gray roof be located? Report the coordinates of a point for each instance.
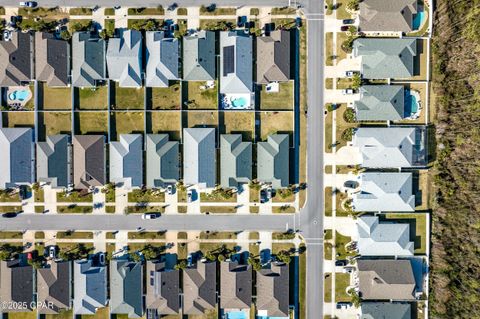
(16, 57)
(380, 103)
(386, 310)
(52, 59)
(126, 160)
(235, 160)
(383, 279)
(88, 63)
(90, 290)
(53, 163)
(162, 59)
(16, 285)
(273, 290)
(124, 58)
(384, 16)
(199, 56)
(273, 57)
(236, 66)
(199, 288)
(53, 286)
(386, 58)
(235, 285)
(126, 288)
(88, 161)
(163, 287)
(273, 160)
(163, 162)
(199, 157)
(16, 156)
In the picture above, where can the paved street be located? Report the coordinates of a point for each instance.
(149, 3)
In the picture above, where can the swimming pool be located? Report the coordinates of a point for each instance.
(236, 315)
(19, 95)
(411, 103)
(239, 102)
(418, 20)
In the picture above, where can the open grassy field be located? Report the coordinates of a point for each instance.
(56, 122)
(165, 122)
(92, 99)
(166, 98)
(91, 122)
(202, 119)
(127, 122)
(234, 122)
(128, 98)
(18, 119)
(55, 98)
(275, 122)
(201, 99)
(281, 100)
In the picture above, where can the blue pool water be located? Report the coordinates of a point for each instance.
(418, 20)
(236, 315)
(239, 102)
(411, 103)
(20, 95)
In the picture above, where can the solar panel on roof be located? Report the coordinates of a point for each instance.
(228, 60)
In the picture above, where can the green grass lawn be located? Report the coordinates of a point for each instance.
(341, 10)
(39, 209)
(217, 12)
(214, 197)
(56, 122)
(149, 196)
(39, 235)
(74, 197)
(128, 98)
(212, 247)
(91, 122)
(127, 122)
(329, 48)
(9, 197)
(93, 99)
(56, 98)
(328, 251)
(212, 24)
(254, 194)
(254, 209)
(182, 11)
(80, 11)
(166, 98)
(285, 209)
(275, 122)
(341, 54)
(109, 11)
(218, 209)
(39, 195)
(278, 247)
(235, 122)
(340, 243)
(110, 209)
(146, 235)
(281, 100)
(18, 119)
(22, 315)
(75, 235)
(146, 11)
(73, 209)
(144, 209)
(218, 235)
(110, 25)
(283, 11)
(204, 99)
(342, 281)
(65, 314)
(11, 235)
(283, 196)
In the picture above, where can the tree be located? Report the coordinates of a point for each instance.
(284, 256)
(353, 5)
(221, 258)
(349, 115)
(65, 35)
(356, 81)
(135, 257)
(347, 135)
(356, 300)
(255, 263)
(182, 264)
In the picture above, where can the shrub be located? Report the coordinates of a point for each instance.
(348, 134)
(349, 115)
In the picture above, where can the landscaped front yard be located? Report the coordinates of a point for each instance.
(166, 98)
(198, 97)
(165, 122)
(56, 98)
(128, 98)
(91, 122)
(281, 100)
(74, 197)
(275, 122)
(243, 123)
(148, 196)
(92, 98)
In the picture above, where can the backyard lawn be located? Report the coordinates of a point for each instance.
(127, 122)
(91, 122)
(281, 100)
(56, 122)
(235, 122)
(198, 98)
(418, 228)
(56, 98)
(275, 122)
(128, 98)
(18, 119)
(93, 99)
(166, 98)
(165, 122)
(202, 119)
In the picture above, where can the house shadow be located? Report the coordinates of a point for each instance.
(412, 222)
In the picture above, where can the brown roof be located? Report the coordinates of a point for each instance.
(51, 59)
(273, 290)
(16, 285)
(381, 15)
(163, 288)
(88, 161)
(200, 288)
(53, 286)
(16, 59)
(273, 57)
(235, 285)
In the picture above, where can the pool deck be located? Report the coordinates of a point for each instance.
(16, 103)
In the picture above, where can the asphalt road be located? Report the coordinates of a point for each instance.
(149, 3)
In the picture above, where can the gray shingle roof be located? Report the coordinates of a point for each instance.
(126, 160)
(199, 56)
(52, 59)
(126, 288)
(53, 286)
(200, 288)
(380, 103)
(386, 279)
(273, 57)
(16, 57)
(16, 156)
(386, 310)
(235, 285)
(53, 163)
(88, 63)
(88, 161)
(236, 66)
(163, 162)
(273, 160)
(162, 59)
(16, 286)
(124, 58)
(384, 238)
(199, 157)
(273, 290)
(387, 147)
(235, 160)
(383, 192)
(386, 58)
(383, 16)
(163, 287)
(90, 290)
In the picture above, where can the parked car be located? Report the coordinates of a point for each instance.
(172, 7)
(269, 193)
(29, 256)
(349, 74)
(101, 259)
(347, 92)
(350, 184)
(28, 4)
(343, 305)
(263, 196)
(189, 196)
(348, 21)
(340, 263)
(344, 28)
(52, 252)
(9, 215)
(116, 7)
(23, 192)
(151, 215)
(169, 189)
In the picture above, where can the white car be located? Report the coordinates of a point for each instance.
(349, 74)
(347, 91)
(28, 4)
(52, 252)
(189, 196)
(150, 216)
(169, 189)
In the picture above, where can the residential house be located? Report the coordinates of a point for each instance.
(199, 157)
(16, 286)
(199, 56)
(380, 103)
(163, 162)
(273, 160)
(53, 161)
(235, 285)
(16, 59)
(163, 286)
(52, 59)
(386, 279)
(126, 288)
(54, 288)
(163, 56)
(124, 58)
(386, 58)
(88, 63)
(90, 291)
(390, 147)
(199, 288)
(235, 160)
(274, 57)
(387, 16)
(16, 156)
(383, 238)
(383, 192)
(273, 291)
(382, 310)
(126, 161)
(88, 161)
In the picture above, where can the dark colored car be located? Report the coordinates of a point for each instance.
(263, 196)
(340, 263)
(172, 7)
(344, 27)
(348, 21)
(9, 215)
